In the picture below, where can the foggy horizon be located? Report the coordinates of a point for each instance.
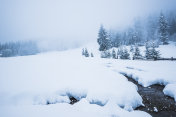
(71, 21)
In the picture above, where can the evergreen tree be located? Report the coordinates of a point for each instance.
(120, 51)
(172, 28)
(125, 54)
(105, 54)
(147, 51)
(131, 49)
(103, 39)
(137, 34)
(163, 29)
(115, 39)
(91, 54)
(83, 53)
(171, 19)
(86, 53)
(113, 54)
(154, 53)
(136, 54)
(151, 28)
(18, 48)
(151, 53)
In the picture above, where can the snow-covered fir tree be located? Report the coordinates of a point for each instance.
(86, 53)
(136, 53)
(124, 54)
(91, 54)
(83, 53)
(120, 50)
(154, 53)
(105, 54)
(163, 29)
(103, 39)
(113, 54)
(151, 52)
(131, 48)
(147, 51)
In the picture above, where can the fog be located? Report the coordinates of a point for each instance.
(76, 22)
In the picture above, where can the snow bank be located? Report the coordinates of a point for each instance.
(80, 109)
(146, 72)
(170, 90)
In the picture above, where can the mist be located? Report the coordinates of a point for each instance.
(70, 23)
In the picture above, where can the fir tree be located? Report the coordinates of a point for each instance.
(120, 51)
(113, 54)
(103, 39)
(147, 52)
(136, 54)
(83, 53)
(91, 54)
(105, 54)
(163, 29)
(172, 26)
(86, 53)
(125, 54)
(154, 53)
(151, 53)
(131, 49)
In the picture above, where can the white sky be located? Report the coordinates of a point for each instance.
(70, 20)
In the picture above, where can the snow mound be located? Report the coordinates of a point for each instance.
(146, 73)
(170, 90)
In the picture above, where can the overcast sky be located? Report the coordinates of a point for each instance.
(70, 20)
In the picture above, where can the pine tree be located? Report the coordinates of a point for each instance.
(103, 39)
(131, 49)
(83, 52)
(151, 28)
(163, 29)
(105, 54)
(136, 54)
(154, 53)
(120, 50)
(151, 53)
(172, 28)
(147, 51)
(125, 54)
(91, 54)
(113, 54)
(115, 39)
(86, 53)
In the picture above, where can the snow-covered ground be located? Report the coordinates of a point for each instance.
(29, 83)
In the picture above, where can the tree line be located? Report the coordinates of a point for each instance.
(20, 48)
(159, 29)
(155, 31)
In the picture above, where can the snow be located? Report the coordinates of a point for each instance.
(168, 51)
(80, 109)
(170, 90)
(155, 109)
(29, 83)
(146, 72)
(43, 84)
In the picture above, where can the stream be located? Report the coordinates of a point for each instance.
(156, 103)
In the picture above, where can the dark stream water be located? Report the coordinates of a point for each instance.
(156, 103)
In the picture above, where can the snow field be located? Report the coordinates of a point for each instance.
(30, 83)
(43, 84)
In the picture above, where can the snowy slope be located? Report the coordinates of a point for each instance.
(150, 72)
(29, 83)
